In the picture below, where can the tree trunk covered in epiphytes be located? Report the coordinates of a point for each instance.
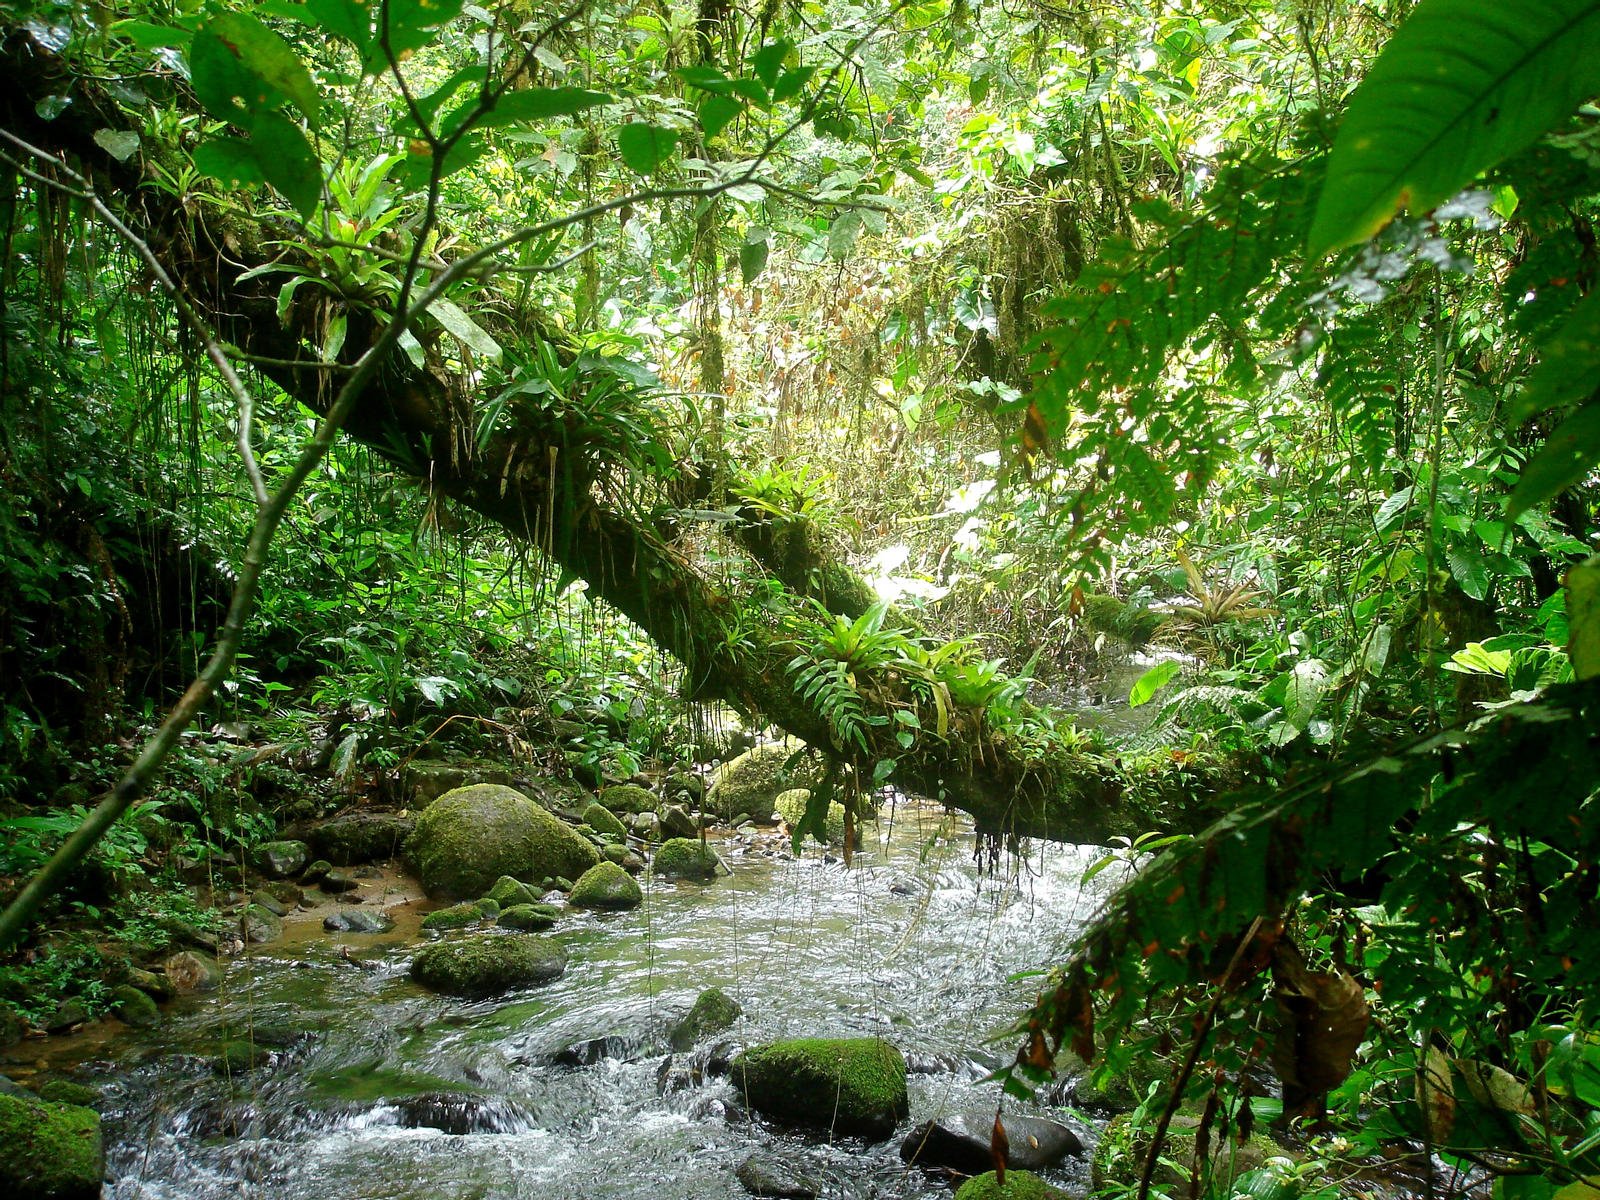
(533, 485)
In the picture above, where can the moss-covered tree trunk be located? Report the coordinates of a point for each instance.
(538, 490)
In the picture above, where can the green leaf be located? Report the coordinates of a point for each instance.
(752, 260)
(229, 159)
(790, 83)
(149, 36)
(644, 147)
(768, 61)
(1583, 614)
(288, 161)
(716, 112)
(412, 24)
(535, 104)
(119, 143)
(1566, 457)
(348, 19)
(464, 327)
(1151, 682)
(240, 68)
(1469, 571)
(1566, 372)
(842, 234)
(1460, 86)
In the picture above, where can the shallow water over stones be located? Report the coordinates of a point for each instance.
(373, 1088)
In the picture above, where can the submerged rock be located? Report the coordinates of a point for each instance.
(685, 858)
(1019, 1185)
(461, 1113)
(358, 920)
(961, 1142)
(767, 1174)
(486, 963)
(605, 885)
(587, 1053)
(848, 1086)
(361, 838)
(714, 1010)
(279, 860)
(51, 1151)
(470, 837)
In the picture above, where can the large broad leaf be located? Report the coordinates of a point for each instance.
(1566, 457)
(1151, 682)
(644, 147)
(229, 159)
(534, 104)
(1566, 373)
(288, 161)
(1462, 85)
(240, 68)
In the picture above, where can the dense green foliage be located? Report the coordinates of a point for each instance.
(886, 373)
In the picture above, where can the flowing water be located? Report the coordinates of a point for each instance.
(373, 1088)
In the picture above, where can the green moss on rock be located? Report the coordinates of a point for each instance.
(529, 918)
(600, 818)
(508, 892)
(1019, 1185)
(628, 798)
(605, 885)
(849, 1086)
(457, 916)
(65, 1091)
(791, 806)
(471, 836)
(714, 1010)
(685, 858)
(486, 963)
(133, 1007)
(752, 782)
(50, 1151)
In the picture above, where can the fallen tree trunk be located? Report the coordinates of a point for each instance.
(540, 487)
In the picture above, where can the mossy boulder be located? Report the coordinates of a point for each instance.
(49, 1151)
(457, 916)
(486, 963)
(751, 782)
(713, 1011)
(1019, 1185)
(627, 798)
(848, 1086)
(605, 885)
(529, 918)
(791, 806)
(423, 781)
(508, 892)
(471, 836)
(192, 971)
(603, 821)
(260, 924)
(133, 1007)
(685, 858)
(67, 1091)
(360, 838)
(279, 860)
(1119, 1156)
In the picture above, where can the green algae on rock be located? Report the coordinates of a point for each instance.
(471, 836)
(529, 917)
(485, 963)
(1019, 1185)
(849, 1086)
(606, 885)
(685, 858)
(50, 1151)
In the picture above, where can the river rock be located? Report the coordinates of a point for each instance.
(529, 918)
(260, 925)
(628, 798)
(337, 882)
(646, 826)
(192, 971)
(265, 899)
(361, 838)
(52, 1151)
(279, 860)
(469, 837)
(461, 1113)
(960, 1141)
(849, 1086)
(714, 1010)
(423, 781)
(71, 1011)
(69, 1091)
(684, 787)
(768, 1174)
(457, 916)
(486, 963)
(605, 885)
(507, 892)
(601, 819)
(1019, 1185)
(133, 1007)
(587, 1053)
(358, 920)
(752, 781)
(674, 821)
(685, 858)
